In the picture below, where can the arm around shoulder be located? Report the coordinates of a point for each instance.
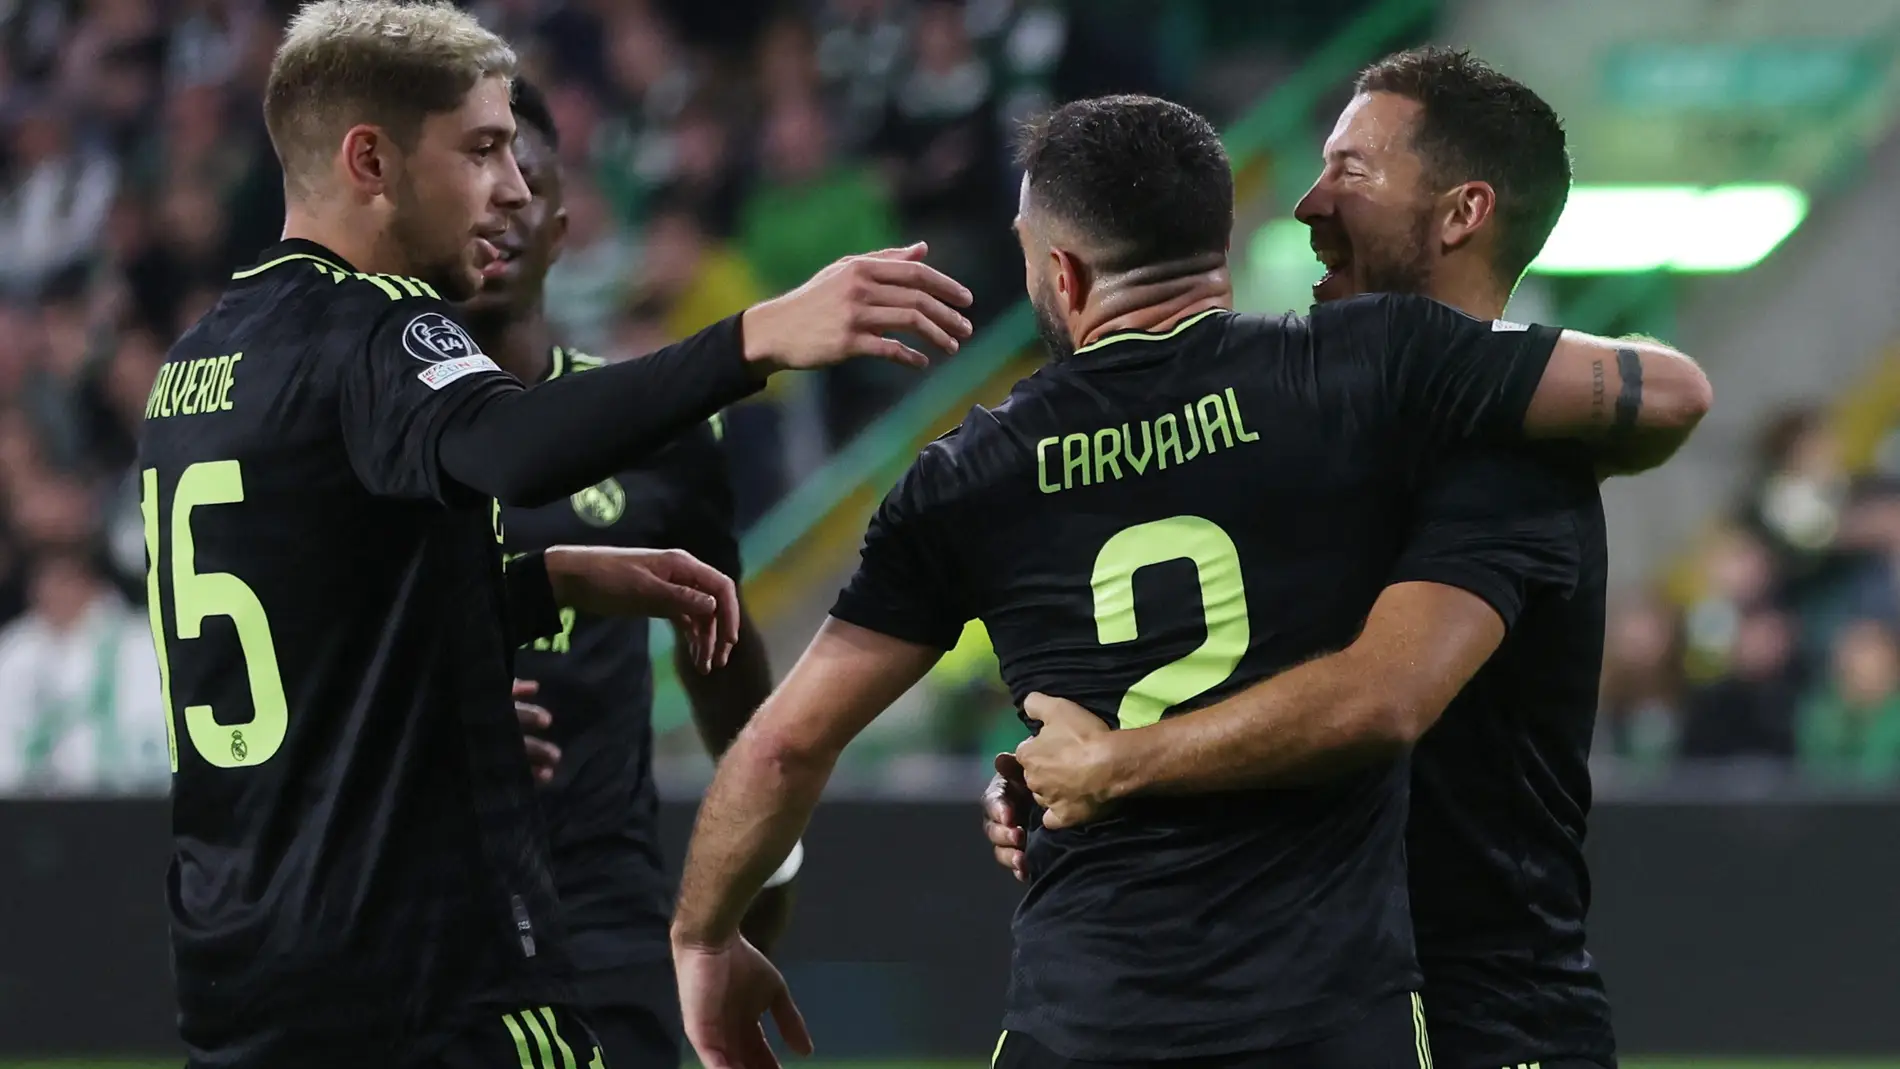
(1368, 702)
(1635, 399)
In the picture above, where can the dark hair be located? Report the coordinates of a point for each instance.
(1477, 124)
(1143, 180)
(531, 108)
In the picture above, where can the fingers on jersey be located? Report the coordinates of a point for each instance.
(1004, 803)
(543, 757)
(533, 717)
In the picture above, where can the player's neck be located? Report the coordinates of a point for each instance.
(365, 248)
(1152, 299)
(1470, 288)
(521, 345)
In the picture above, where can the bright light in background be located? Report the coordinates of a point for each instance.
(1626, 229)
(1605, 230)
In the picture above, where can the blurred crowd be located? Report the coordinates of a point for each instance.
(1780, 646)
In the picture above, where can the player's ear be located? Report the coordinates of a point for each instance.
(558, 240)
(1072, 278)
(367, 163)
(1463, 211)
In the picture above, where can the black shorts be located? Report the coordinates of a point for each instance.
(544, 1037)
(635, 1014)
(637, 1037)
(1392, 1036)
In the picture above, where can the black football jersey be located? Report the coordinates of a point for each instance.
(358, 859)
(1501, 785)
(1145, 528)
(597, 681)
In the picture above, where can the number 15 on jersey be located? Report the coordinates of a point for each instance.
(198, 595)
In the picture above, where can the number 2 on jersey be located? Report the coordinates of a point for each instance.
(1223, 604)
(197, 595)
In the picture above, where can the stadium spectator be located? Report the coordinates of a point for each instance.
(1738, 574)
(1639, 717)
(1797, 503)
(79, 693)
(707, 173)
(57, 197)
(1850, 729)
(1749, 712)
(587, 285)
(809, 207)
(860, 44)
(947, 151)
(694, 279)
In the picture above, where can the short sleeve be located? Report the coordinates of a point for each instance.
(906, 585)
(1447, 376)
(419, 367)
(1499, 525)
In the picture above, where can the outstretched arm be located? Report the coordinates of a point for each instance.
(1635, 400)
(529, 447)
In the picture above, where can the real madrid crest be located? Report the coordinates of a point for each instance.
(601, 504)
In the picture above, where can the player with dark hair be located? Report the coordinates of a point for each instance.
(1442, 177)
(595, 674)
(360, 876)
(1184, 502)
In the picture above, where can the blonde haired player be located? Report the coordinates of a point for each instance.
(360, 876)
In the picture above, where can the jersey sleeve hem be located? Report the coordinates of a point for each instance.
(861, 612)
(1527, 372)
(1497, 591)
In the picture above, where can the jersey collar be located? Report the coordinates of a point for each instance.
(1146, 335)
(291, 250)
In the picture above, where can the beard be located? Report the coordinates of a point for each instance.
(1400, 265)
(442, 265)
(1050, 323)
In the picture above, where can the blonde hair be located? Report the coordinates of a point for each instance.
(389, 63)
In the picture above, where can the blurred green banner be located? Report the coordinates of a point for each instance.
(1743, 76)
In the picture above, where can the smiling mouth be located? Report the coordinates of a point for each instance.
(1335, 263)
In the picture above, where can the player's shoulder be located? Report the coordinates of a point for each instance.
(1395, 315)
(301, 288)
(309, 268)
(961, 463)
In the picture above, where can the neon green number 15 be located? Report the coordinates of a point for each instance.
(197, 595)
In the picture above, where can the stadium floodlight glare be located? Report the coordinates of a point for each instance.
(1634, 229)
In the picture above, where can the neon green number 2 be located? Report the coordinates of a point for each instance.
(197, 595)
(1223, 603)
